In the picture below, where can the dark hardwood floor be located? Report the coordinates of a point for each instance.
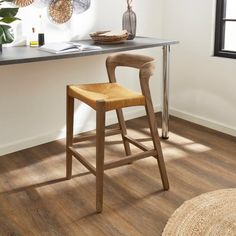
(35, 198)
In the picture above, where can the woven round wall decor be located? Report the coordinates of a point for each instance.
(81, 6)
(60, 11)
(22, 3)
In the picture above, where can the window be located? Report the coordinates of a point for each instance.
(225, 29)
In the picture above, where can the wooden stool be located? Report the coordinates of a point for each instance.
(104, 97)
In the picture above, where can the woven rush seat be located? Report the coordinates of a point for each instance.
(114, 95)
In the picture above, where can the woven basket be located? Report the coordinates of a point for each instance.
(99, 37)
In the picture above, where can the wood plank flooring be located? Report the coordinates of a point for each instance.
(35, 198)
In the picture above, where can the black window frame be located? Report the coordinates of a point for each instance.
(220, 30)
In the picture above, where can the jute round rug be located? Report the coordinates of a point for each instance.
(210, 214)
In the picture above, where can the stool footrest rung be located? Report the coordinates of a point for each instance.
(81, 138)
(136, 143)
(80, 158)
(128, 159)
(113, 163)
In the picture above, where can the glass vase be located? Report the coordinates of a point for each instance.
(129, 22)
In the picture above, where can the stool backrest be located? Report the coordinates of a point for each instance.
(145, 64)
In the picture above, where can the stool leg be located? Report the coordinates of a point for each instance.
(69, 134)
(157, 144)
(122, 125)
(100, 141)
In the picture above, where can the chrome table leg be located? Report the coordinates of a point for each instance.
(165, 105)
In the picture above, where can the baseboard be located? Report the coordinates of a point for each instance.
(60, 134)
(28, 142)
(56, 135)
(204, 122)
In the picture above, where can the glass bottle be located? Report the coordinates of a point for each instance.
(40, 31)
(33, 41)
(129, 22)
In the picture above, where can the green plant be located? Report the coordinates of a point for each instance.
(7, 16)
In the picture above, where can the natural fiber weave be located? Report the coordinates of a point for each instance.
(108, 37)
(210, 214)
(60, 11)
(22, 3)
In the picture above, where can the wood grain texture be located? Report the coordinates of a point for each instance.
(36, 198)
(100, 142)
(69, 132)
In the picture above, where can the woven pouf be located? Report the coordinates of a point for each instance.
(212, 214)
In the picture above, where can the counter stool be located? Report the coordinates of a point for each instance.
(104, 97)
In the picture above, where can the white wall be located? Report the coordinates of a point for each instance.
(202, 86)
(32, 95)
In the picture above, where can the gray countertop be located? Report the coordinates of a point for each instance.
(17, 55)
